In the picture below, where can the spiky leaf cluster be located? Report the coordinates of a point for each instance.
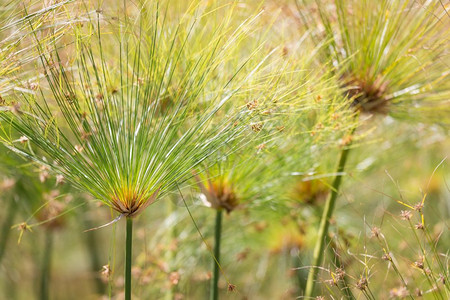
(130, 122)
(390, 56)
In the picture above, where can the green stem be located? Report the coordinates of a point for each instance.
(46, 265)
(6, 227)
(128, 258)
(92, 244)
(324, 224)
(215, 279)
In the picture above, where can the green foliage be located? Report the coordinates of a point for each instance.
(130, 143)
(390, 56)
(242, 106)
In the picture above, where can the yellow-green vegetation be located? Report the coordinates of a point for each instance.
(224, 149)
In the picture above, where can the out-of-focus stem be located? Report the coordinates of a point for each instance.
(6, 227)
(217, 235)
(92, 244)
(325, 223)
(46, 265)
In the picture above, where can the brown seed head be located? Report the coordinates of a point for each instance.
(34, 86)
(59, 179)
(419, 226)
(418, 292)
(24, 227)
(256, 127)
(106, 272)
(419, 263)
(405, 215)
(362, 283)
(130, 203)
(418, 207)
(225, 195)
(70, 97)
(375, 232)
(43, 174)
(217, 193)
(174, 278)
(23, 139)
(369, 96)
(252, 104)
(340, 274)
(231, 287)
(386, 257)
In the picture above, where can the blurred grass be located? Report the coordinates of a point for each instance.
(264, 240)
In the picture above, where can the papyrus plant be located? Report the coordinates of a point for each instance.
(100, 118)
(228, 185)
(23, 191)
(19, 23)
(292, 138)
(390, 57)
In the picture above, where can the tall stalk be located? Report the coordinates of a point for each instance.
(46, 266)
(91, 240)
(214, 295)
(6, 227)
(325, 223)
(128, 258)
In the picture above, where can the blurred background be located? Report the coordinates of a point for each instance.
(396, 163)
